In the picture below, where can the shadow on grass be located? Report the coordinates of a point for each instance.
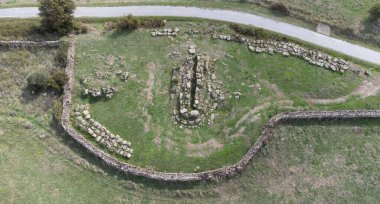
(334, 122)
(119, 33)
(371, 26)
(82, 152)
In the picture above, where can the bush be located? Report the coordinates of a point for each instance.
(57, 109)
(61, 57)
(38, 81)
(80, 28)
(257, 33)
(279, 7)
(41, 82)
(58, 79)
(127, 23)
(152, 23)
(57, 16)
(108, 26)
(132, 23)
(374, 12)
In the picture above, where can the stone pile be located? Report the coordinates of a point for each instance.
(198, 94)
(101, 134)
(314, 57)
(123, 75)
(101, 75)
(107, 91)
(193, 32)
(192, 49)
(165, 32)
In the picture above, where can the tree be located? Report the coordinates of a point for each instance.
(57, 15)
(374, 12)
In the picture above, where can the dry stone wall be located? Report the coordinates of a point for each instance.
(21, 44)
(314, 57)
(223, 172)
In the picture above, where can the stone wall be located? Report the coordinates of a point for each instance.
(224, 172)
(21, 44)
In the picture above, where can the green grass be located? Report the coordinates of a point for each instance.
(311, 161)
(164, 147)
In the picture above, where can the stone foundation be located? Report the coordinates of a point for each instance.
(196, 91)
(224, 172)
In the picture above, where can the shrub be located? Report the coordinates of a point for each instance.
(58, 78)
(258, 33)
(279, 7)
(57, 109)
(38, 81)
(108, 26)
(127, 23)
(80, 28)
(374, 12)
(41, 81)
(152, 23)
(132, 23)
(57, 15)
(61, 57)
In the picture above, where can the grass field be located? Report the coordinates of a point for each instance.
(269, 84)
(312, 161)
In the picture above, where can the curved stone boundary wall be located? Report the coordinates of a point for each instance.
(21, 44)
(224, 172)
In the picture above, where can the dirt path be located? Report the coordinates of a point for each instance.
(149, 84)
(252, 112)
(368, 88)
(203, 149)
(149, 95)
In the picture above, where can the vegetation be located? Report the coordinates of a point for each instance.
(160, 144)
(306, 162)
(279, 7)
(127, 23)
(40, 81)
(374, 12)
(57, 15)
(131, 23)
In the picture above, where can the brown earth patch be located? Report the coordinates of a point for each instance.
(203, 149)
(111, 60)
(252, 112)
(368, 88)
(149, 95)
(172, 146)
(149, 84)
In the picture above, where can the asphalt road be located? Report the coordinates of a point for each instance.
(216, 14)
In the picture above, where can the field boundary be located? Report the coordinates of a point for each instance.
(23, 44)
(224, 172)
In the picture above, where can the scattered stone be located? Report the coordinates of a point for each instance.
(100, 133)
(165, 32)
(192, 49)
(314, 57)
(124, 76)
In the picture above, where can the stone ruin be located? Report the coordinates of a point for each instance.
(165, 32)
(196, 91)
(106, 91)
(101, 134)
(314, 57)
(123, 75)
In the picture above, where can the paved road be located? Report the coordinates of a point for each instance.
(224, 15)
